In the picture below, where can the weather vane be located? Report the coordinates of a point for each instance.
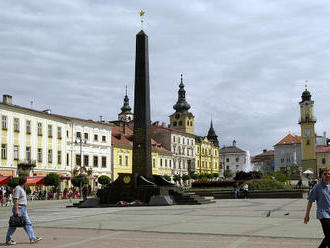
(142, 15)
(306, 81)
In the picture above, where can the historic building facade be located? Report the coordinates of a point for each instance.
(52, 143)
(232, 158)
(207, 153)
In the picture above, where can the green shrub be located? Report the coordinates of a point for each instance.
(176, 178)
(104, 180)
(79, 180)
(266, 184)
(242, 175)
(214, 184)
(210, 176)
(185, 177)
(281, 176)
(228, 173)
(215, 174)
(52, 179)
(194, 176)
(13, 182)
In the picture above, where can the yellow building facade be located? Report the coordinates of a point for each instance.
(206, 156)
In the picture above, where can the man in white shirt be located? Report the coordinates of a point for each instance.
(19, 208)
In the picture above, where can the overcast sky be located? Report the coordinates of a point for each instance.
(244, 62)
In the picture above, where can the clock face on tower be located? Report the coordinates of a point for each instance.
(307, 132)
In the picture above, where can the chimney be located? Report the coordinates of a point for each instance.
(7, 99)
(264, 150)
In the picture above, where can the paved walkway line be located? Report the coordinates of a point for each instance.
(85, 240)
(238, 242)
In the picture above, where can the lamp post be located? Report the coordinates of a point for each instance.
(81, 142)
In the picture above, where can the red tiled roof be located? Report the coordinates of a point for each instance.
(290, 139)
(154, 125)
(320, 149)
(266, 153)
(119, 138)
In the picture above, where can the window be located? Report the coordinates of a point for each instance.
(86, 136)
(104, 162)
(173, 138)
(161, 162)
(227, 167)
(78, 135)
(170, 163)
(307, 142)
(59, 132)
(95, 161)
(4, 122)
(120, 160)
(16, 152)
(50, 131)
(67, 134)
(174, 123)
(203, 164)
(227, 159)
(183, 140)
(59, 157)
(323, 161)
(50, 156)
(78, 160)
(86, 160)
(39, 128)
(165, 162)
(4, 151)
(16, 124)
(96, 137)
(28, 153)
(67, 159)
(154, 163)
(237, 159)
(126, 160)
(39, 155)
(104, 139)
(180, 123)
(28, 127)
(282, 160)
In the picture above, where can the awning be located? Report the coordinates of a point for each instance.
(35, 180)
(4, 180)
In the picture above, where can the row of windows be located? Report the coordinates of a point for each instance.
(204, 164)
(95, 160)
(180, 123)
(236, 159)
(86, 136)
(28, 154)
(181, 151)
(17, 128)
(207, 151)
(184, 140)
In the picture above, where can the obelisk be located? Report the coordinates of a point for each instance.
(142, 135)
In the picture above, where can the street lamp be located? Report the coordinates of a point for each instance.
(81, 142)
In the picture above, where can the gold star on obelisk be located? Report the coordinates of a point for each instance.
(142, 15)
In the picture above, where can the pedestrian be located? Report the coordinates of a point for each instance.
(19, 208)
(321, 194)
(1, 196)
(85, 192)
(236, 190)
(245, 190)
(70, 195)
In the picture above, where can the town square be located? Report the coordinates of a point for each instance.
(191, 124)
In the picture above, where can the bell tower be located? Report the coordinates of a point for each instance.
(182, 119)
(126, 115)
(308, 137)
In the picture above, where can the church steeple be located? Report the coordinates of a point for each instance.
(211, 136)
(126, 114)
(182, 119)
(181, 105)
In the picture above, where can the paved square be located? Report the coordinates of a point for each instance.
(227, 223)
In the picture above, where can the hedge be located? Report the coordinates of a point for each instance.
(266, 184)
(213, 184)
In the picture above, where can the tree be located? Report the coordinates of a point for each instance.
(13, 182)
(281, 177)
(215, 174)
(77, 181)
(185, 177)
(228, 173)
(194, 176)
(52, 179)
(104, 180)
(167, 177)
(176, 177)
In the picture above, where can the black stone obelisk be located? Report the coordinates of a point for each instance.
(142, 133)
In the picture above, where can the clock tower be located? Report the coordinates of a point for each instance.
(182, 119)
(308, 136)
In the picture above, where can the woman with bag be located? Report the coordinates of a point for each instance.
(19, 209)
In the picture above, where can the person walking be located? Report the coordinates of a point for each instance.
(321, 194)
(70, 195)
(19, 209)
(246, 190)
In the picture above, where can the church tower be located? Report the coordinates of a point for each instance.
(182, 119)
(308, 136)
(211, 136)
(126, 115)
